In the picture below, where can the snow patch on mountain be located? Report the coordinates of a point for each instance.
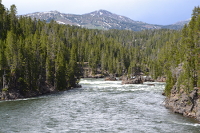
(183, 22)
(60, 22)
(100, 18)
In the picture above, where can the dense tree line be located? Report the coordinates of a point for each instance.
(183, 49)
(36, 57)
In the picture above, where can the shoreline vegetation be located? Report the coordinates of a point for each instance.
(13, 95)
(37, 58)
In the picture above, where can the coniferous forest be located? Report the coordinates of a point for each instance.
(38, 57)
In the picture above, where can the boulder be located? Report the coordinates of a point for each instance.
(161, 79)
(136, 80)
(4, 95)
(148, 79)
(110, 79)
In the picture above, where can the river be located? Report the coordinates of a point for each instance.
(99, 106)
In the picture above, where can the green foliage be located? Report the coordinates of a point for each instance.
(5, 89)
(35, 54)
(170, 83)
(186, 50)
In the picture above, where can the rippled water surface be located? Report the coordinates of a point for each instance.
(99, 106)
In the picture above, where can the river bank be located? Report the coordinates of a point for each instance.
(13, 94)
(181, 98)
(183, 103)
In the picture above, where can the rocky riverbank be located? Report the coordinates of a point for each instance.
(13, 94)
(183, 101)
(187, 104)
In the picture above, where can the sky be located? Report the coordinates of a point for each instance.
(161, 12)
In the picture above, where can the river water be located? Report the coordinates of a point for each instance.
(99, 106)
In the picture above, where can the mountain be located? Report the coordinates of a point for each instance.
(100, 19)
(178, 25)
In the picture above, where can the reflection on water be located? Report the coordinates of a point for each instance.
(99, 106)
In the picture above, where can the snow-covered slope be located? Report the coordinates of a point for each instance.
(100, 19)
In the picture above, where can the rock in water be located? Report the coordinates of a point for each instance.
(110, 78)
(148, 79)
(136, 80)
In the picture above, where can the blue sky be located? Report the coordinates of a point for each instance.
(150, 11)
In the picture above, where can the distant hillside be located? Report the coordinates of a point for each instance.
(178, 25)
(100, 19)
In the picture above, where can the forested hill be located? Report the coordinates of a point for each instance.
(38, 57)
(101, 19)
